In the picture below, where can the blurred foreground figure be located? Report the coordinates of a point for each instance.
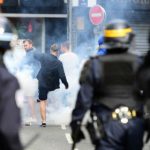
(107, 90)
(10, 120)
(143, 86)
(101, 50)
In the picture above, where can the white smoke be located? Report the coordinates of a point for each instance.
(28, 84)
(12, 60)
(62, 101)
(13, 57)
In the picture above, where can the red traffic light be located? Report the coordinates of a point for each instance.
(30, 27)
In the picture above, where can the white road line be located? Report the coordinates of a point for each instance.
(63, 127)
(69, 139)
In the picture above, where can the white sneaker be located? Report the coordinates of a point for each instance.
(30, 121)
(33, 120)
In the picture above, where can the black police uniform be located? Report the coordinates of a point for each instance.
(143, 77)
(143, 85)
(10, 119)
(106, 83)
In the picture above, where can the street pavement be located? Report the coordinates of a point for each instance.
(53, 137)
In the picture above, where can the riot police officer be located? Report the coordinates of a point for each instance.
(10, 120)
(101, 50)
(107, 90)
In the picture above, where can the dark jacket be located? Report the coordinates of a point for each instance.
(10, 119)
(107, 81)
(143, 79)
(51, 72)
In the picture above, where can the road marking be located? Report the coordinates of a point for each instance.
(63, 127)
(68, 137)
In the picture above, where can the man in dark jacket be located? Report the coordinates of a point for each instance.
(49, 75)
(10, 121)
(106, 89)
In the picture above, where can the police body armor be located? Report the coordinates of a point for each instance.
(116, 80)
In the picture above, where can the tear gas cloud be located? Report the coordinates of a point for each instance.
(87, 47)
(13, 61)
(60, 102)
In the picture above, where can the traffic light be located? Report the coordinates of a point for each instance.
(30, 28)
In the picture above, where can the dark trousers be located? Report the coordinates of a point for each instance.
(122, 136)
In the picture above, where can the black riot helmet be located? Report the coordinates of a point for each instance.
(8, 34)
(118, 36)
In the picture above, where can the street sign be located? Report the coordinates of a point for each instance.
(97, 14)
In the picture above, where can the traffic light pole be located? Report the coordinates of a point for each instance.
(43, 35)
